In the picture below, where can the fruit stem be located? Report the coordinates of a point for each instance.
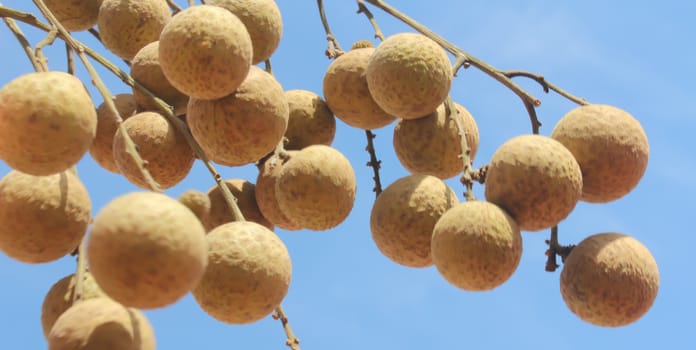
(291, 341)
(80, 273)
(363, 9)
(174, 6)
(374, 162)
(555, 249)
(546, 86)
(334, 50)
(267, 66)
(70, 58)
(466, 179)
(14, 28)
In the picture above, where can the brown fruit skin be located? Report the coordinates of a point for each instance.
(310, 121)
(198, 202)
(316, 188)
(205, 52)
(431, 145)
(266, 196)
(102, 150)
(42, 218)
(126, 26)
(146, 70)
(248, 275)
(169, 156)
(476, 246)
(101, 323)
(535, 179)
(243, 127)
(245, 193)
(610, 280)
(75, 15)
(347, 94)
(146, 250)
(409, 75)
(262, 20)
(60, 298)
(404, 215)
(47, 122)
(610, 146)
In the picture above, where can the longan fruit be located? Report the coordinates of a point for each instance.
(205, 52)
(611, 147)
(75, 15)
(431, 145)
(310, 121)
(60, 298)
(146, 250)
(248, 275)
(409, 75)
(266, 196)
(610, 280)
(245, 193)
(535, 179)
(146, 70)
(476, 246)
(126, 26)
(42, 218)
(47, 122)
(102, 149)
(198, 202)
(404, 215)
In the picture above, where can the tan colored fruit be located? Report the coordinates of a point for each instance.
(60, 298)
(126, 26)
(198, 202)
(476, 246)
(310, 120)
(243, 127)
(102, 150)
(610, 280)
(101, 323)
(146, 250)
(610, 146)
(205, 52)
(266, 196)
(75, 15)
(42, 218)
(47, 122)
(347, 94)
(535, 179)
(409, 75)
(431, 145)
(316, 188)
(248, 275)
(146, 70)
(263, 21)
(245, 193)
(169, 157)
(404, 215)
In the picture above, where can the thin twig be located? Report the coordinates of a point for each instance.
(70, 59)
(17, 32)
(267, 66)
(334, 50)
(370, 17)
(546, 85)
(555, 249)
(466, 179)
(80, 273)
(375, 163)
(291, 340)
(174, 6)
(191, 3)
(38, 51)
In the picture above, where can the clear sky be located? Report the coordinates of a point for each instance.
(344, 294)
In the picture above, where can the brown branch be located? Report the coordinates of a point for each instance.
(267, 66)
(466, 179)
(70, 59)
(80, 272)
(545, 85)
(375, 163)
(291, 340)
(174, 6)
(334, 50)
(38, 51)
(363, 9)
(17, 32)
(555, 249)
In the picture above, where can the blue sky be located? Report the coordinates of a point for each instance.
(344, 294)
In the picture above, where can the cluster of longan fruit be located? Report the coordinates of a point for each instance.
(146, 250)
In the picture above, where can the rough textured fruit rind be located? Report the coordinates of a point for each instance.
(609, 279)
(198, 202)
(126, 26)
(42, 218)
(245, 193)
(205, 52)
(266, 196)
(47, 122)
(409, 75)
(75, 15)
(146, 250)
(431, 145)
(145, 69)
(248, 275)
(535, 179)
(404, 215)
(611, 147)
(310, 121)
(102, 149)
(476, 246)
(60, 298)
(316, 188)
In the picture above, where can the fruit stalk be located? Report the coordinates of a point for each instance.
(466, 179)
(292, 341)
(555, 249)
(363, 9)
(374, 162)
(17, 32)
(546, 86)
(334, 50)
(80, 273)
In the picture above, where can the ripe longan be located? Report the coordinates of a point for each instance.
(310, 121)
(146, 70)
(60, 298)
(75, 15)
(126, 26)
(266, 196)
(198, 202)
(102, 149)
(245, 193)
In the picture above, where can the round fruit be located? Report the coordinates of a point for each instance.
(316, 188)
(245, 126)
(535, 179)
(266, 196)
(126, 26)
(263, 21)
(169, 156)
(248, 275)
(42, 218)
(102, 150)
(347, 94)
(198, 202)
(476, 246)
(75, 15)
(409, 75)
(60, 298)
(47, 122)
(310, 120)
(245, 193)
(610, 146)
(101, 323)
(145, 69)
(610, 280)
(146, 250)
(404, 215)
(431, 145)
(205, 52)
